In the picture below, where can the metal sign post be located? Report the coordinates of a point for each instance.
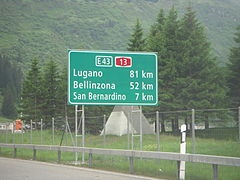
(158, 131)
(76, 133)
(77, 129)
(83, 133)
(111, 78)
(140, 127)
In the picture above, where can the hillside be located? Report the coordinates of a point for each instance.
(46, 29)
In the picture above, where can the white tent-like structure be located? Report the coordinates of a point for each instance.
(117, 123)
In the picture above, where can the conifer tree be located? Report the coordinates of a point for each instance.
(8, 105)
(31, 97)
(155, 38)
(137, 41)
(234, 71)
(199, 83)
(50, 90)
(168, 61)
(163, 38)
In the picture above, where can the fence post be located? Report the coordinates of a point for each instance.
(215, 172)
(128, 132)
(104, 130)
(41, 130)
(6, 135)
(239, 123)
(22, 131)
(31, 132)
(13, 133)
(193, 131)
(53, 130)
(158, 136)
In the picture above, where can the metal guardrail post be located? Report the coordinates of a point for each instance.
(34, 154)
(59, 156)
(14, 152)
(90, 160)
(178, 169)
(215, 172)
(131, 168)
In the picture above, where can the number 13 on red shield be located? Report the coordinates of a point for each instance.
(123, 61)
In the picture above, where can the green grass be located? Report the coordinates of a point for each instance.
(3, 119)
(155, 168)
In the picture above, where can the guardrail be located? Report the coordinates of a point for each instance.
(195, 158)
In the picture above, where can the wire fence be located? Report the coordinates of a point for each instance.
(203, 126)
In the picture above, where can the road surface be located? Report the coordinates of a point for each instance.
(16, 169)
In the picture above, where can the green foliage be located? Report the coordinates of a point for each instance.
(200, 83)
(234, 71)
(137, 42)
(4, 119)
(50, 90)
(31, 97)
(10, 85)
(155, 168)
(188, 74)
(47, 29)
(10, 74)
(8, 105)
(168, 57)
(155, 39)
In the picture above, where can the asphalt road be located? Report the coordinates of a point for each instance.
(16, 169)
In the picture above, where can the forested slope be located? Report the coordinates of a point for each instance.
(47, 28)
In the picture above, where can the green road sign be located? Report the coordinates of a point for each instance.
(112, 78)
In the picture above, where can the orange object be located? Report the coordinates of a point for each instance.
(18, 125)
